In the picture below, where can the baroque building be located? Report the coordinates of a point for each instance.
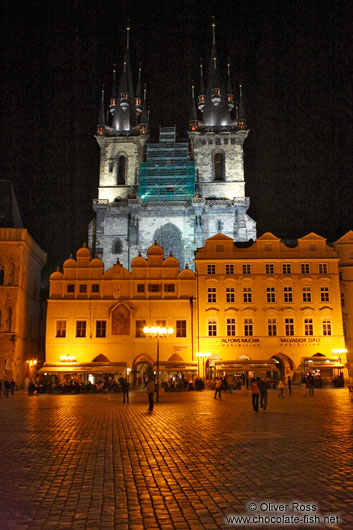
(176, 193)
(261, 308)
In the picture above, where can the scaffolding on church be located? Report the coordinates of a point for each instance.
(167, 174)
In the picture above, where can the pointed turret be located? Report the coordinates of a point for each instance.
(144, 115)
(123, 90)
(216, 111)
(230, 95)
(241, 111)
(114, 94)
(202, 90)
(101, 117)
(193, 122)
(138, 98)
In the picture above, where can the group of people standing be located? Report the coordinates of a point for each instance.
(9, 386)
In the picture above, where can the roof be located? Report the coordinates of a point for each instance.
(10, 216)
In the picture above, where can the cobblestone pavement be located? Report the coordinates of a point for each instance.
(92, 462)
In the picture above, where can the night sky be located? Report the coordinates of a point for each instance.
(296, 65)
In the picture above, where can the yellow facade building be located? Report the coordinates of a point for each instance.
(95, 318)
(267, 307)
(21, 261)
(261, 308)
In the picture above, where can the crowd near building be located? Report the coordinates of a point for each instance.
(172, 248)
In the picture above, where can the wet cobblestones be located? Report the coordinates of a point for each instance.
(92, 462)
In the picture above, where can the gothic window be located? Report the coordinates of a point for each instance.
(117, 247)
(12, 274)
(121, 170)
(219, 166)
(2, 274)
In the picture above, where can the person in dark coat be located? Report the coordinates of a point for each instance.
(262, 384)
(289, 382)
(254, 387)
(125, 388)
(12, 386)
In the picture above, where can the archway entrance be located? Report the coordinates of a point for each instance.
(141, 367)
(284, 366)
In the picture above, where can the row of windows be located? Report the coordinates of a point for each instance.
(152, 288)
(248, 327)
(101, 328)
(270, 294)
(246, 268)
(218, 141)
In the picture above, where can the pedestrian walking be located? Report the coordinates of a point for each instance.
(262, 384)
(150, 388)
(12, 386)
(218, 388)
(303, 387)
(281, 389)
(311, 385)
(125, 388)
(289, 382)
(254, 387)
(6, 388)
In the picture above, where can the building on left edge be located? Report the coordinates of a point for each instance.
(21, 261)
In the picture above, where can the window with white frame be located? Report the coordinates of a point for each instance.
(270, 294)
(326, 326)
(81, 328)
(287, 268)
(270, 268)
(61, 328)
(246, 268)
(211, 295)
(322, 268)
(230, 327)
(271, 327)
(211, 268)
(247, 294)
(229, 268)
(212, 328)
(308, 326)
(230, 295)
(101, 328)
(180, 328)
(305, 268)
(248, 327)
(324, 294)
(289, 326)
(287, 294)
(306, 294)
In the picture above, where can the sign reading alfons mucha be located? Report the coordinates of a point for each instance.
(255, 341)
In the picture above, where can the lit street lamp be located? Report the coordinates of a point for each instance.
(203, 356)
(159, 333)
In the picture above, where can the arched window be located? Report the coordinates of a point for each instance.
(219, 172)
(117, 247)
(12, 274)
(2, 274)
(121, 170)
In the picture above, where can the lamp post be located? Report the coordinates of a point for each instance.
(159, 333)
(203, 355)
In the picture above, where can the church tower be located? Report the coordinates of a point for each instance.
(175, 193)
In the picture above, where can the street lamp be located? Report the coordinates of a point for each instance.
(159, 333)
(203, 355)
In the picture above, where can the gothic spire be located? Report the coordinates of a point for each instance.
(138, 98)
(113, 96)
(193, 122)
(101, 117)
(230, 95)
(145, 115)
(241, 110)
(202, 90)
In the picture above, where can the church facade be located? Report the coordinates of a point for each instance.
(175, 193)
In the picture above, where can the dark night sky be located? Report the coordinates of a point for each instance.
(296, 64)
